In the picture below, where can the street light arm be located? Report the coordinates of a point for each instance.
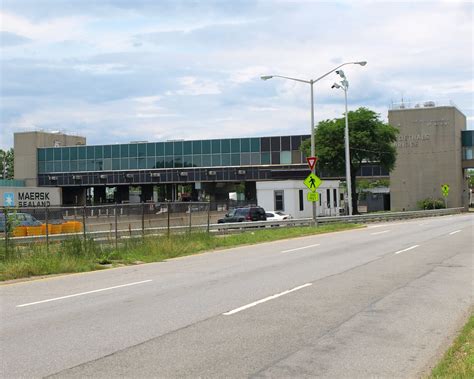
(334, 69)
(287, 77)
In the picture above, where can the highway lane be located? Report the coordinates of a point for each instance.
(106, 323)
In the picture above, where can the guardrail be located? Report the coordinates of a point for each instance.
(121, 234)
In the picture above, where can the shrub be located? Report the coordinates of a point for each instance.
(430, 203)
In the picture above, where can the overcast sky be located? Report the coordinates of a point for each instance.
(135, 70)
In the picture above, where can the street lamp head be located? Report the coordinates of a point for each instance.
(335, 85)
(362, 63)
(341, 74)
(266, 77)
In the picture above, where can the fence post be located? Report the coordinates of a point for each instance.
(168, 212)
(5, 212)
(208, 216)
(190, 220)
(143, 219)
(116, 225)
(46, 219)
(84, 210)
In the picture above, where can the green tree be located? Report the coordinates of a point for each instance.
(6, 164)
(370, 139)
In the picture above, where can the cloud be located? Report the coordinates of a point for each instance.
(12, 39)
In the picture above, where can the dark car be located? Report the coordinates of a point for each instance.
(244, 215)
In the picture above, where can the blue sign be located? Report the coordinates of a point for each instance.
(8, 199)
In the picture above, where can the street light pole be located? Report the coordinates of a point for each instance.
(348, 158)
(311, 83)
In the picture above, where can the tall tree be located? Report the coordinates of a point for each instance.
(6, 164)
(370, 139)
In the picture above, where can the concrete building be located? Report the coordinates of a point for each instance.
(26, 155)
(429, 154)
(289, 196)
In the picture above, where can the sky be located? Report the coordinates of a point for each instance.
(117, 71)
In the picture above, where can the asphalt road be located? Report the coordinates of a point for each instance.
(383, 301)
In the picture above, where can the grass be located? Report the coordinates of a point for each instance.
(458, 361)
(76, 255)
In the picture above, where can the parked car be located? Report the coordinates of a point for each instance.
(244, 215)
(277, 216)
(18, 219)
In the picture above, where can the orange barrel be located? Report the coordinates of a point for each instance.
(68, 227)
(43, 229)
(56, 228)
(33, 230)
(19, 231)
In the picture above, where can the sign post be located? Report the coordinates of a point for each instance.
(445, 192)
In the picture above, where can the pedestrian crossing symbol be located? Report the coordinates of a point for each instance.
(312, 182)
(445, 190)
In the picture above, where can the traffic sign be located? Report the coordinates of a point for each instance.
(313, 196)
(312, 182)
(311, 162)
(445, 190)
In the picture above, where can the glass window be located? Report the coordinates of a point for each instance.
(285, 143)
(107, 164)
(275, 143)
(90, 152)
(245, 145)
(169, 161)
(124, 151)
(334, 197)
(66, 166)
(90, 165)
(57, 153)
(300, 198)
(235, 145)
(295, 142)
(49, 154)
(160, 162)
(150, 162)
(216, 146)
(255, 158)
(99, 164)
(81, 152)
(133, 150)
(285, 157)
(265, 158)
(188, 161)
(197, 148)
(206, 160)
(150, 149)
(225, 146)
(142, 149)
(98, 151)
(57, 166)
(168, 148)
(206, 147)
(178, 148)
(107, 151)
(265, 143)
(160, 149)
(115, 164)
(133, 163)
(255, 145)
(197, 161)
(245, 159)
(187, 147)
(216, 159)
(73, 165)
(115, 151)
(41, 167)
(235, 159)
(49, 166)
(73, 152)
(296, 156)
(141, 162)
(275, 157)
(178, 161)
(81, 165)
(279, 200)
(225, 159)
(65, 153)
(41, 154)
(124, 163)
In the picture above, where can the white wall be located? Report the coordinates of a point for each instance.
(266, 197)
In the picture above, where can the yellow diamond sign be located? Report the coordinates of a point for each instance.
(313, 196)
(445, 190)
(312, 182)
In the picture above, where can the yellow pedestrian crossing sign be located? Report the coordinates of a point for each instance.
(312, 182)
(313, 196)
(445, 190)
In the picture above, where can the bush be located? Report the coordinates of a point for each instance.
(430, 203)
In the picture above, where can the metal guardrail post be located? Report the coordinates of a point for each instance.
(46, 217)
(84, 210)
(116, 225)
(208, 216)
(143, 219)
(168, 213)
(190, 221)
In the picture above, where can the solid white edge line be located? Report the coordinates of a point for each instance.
(82, 293)
(456, 231)
(408, 248)
(300, 248)
(265, 299)
(374, 234)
